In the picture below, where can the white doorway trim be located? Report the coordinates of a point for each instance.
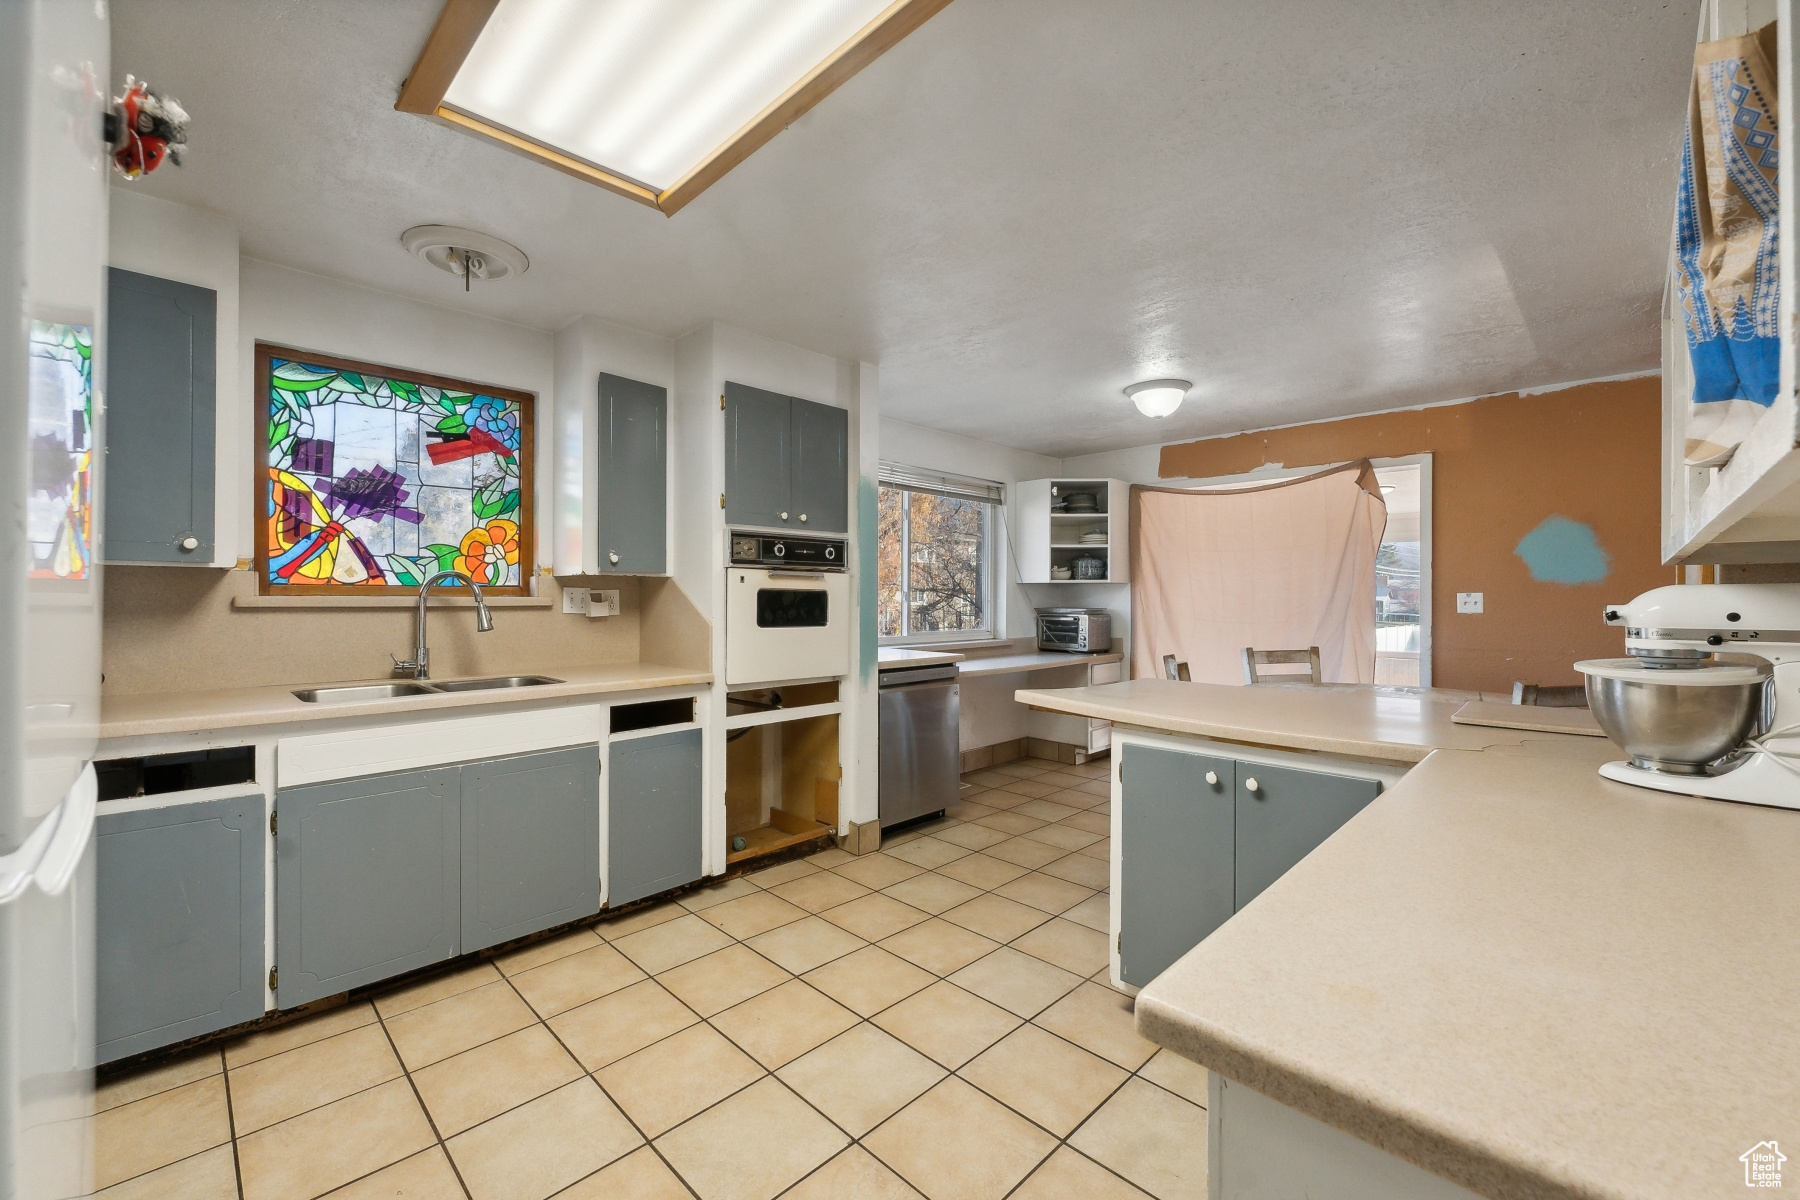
(1423, 462)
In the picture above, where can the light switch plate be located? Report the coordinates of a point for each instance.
(575, 600)
(603, 604)
(1469, 602)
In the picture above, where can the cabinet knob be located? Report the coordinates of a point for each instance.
(190, 542)
(803, 518)
(1212, 777)
(1250, 785)
(612, 556)
(784, 516)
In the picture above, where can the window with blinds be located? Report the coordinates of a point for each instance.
(935, 577)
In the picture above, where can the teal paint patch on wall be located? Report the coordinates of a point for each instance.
(868, 640)
(1563, 551)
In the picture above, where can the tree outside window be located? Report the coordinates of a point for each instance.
(934, 574)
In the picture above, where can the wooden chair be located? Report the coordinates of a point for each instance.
(1574, 696)
(1254, 658)
(1176, 670)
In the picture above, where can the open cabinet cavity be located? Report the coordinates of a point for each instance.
(782, 769)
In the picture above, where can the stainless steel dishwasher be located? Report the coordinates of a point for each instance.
(921, 760)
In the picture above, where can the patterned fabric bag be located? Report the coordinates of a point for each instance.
(1726, 238)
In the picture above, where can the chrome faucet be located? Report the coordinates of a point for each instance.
(420, 666)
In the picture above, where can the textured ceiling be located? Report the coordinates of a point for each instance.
(1311, 208)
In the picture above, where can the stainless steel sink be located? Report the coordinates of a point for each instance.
(363, 691)
(498, 681)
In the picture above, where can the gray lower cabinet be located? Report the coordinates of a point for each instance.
(161, 389)
(380, 875)
(366, 880)
(178, 922)
(633, 477)
(1177, 846)
(1202, 836)
(787, 462)
(530, 844)
(1283, 814)
(653, 803)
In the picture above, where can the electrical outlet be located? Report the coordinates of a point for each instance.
(1469, 602)
(603, 604)
(575, 600)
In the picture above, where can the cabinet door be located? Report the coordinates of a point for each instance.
(821, 439)
(633, 492)
(530, 843)
(365, 880)
(759, 457)
(178, 923)
(159, 419)
(1283, 813)
(653, 815)
(1175, 856)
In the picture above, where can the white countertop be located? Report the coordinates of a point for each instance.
(238, 708)
(1390, 724)
(1042, 660)
(900, 656)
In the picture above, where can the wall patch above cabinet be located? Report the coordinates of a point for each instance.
(372, 478)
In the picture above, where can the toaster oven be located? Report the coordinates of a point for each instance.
(1076, 630)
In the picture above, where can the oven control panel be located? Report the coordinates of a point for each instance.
(803, 553)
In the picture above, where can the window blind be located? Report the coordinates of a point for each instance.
(956, 487)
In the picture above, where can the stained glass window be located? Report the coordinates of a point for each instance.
(59, 515)
(380, 479)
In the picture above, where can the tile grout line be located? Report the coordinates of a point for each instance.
(430, 1121)
(610, 1099)
(237, 1167)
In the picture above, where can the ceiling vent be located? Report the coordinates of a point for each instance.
(465, 254)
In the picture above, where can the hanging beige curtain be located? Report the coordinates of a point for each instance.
(1280, 567)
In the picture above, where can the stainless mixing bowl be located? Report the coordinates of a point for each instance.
(1677, 727)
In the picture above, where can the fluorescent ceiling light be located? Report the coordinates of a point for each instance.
(1158, 397)
(652, 98)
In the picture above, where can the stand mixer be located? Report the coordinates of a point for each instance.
(1707, 703)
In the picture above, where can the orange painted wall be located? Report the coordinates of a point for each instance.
(1501, 465)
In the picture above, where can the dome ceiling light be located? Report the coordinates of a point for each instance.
(465, 253)
(653, 99)
(1158, 397)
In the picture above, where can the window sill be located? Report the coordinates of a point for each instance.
(438, 600)
(972, 647)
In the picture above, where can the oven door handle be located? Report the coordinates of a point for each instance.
(796, 574)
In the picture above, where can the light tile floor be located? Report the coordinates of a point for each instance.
(933, 1020)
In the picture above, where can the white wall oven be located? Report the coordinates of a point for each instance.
(787, 609)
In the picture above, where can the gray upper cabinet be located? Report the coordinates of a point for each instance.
(530, 844)
(653, 803)
(821, 437)
(633, 486)
(161, 389)
(1282, 816)
(178, 922)
(759, 463)
(366, 880)
(787, 462)
(1177, 844)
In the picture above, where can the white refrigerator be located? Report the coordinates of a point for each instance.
(54, 76)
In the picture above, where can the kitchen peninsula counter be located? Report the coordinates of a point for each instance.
(1506, 970)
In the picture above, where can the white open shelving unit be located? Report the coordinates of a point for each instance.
(1048, 538)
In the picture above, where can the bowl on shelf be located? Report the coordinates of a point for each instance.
(1060, 573)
